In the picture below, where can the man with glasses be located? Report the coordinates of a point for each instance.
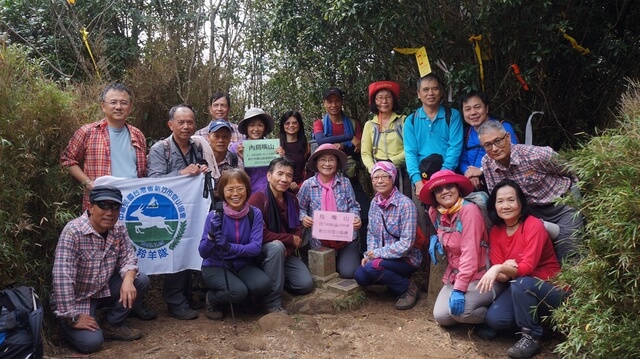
(95, 266)
(109, 147)
(219, 108)
(542, 179)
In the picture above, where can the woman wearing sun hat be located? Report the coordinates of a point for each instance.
(329, 190)
(256, 125)
(462, 235)
(390, 258)
(382, 136)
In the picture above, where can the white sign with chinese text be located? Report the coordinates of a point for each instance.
(333, 226)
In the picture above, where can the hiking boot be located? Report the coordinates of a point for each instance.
(485, 332)
(525, 347)
(143, 312)
(409, 298)
(120, 332)
(211, 310)
(185, 313)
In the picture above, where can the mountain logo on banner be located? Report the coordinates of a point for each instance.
(153, 218)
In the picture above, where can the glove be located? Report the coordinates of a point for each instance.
(434, 245)
(221, 241)
(456, 303)
(216, 222)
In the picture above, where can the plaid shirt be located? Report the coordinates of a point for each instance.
(536, 171)
(401, 218)
(235, 134)
(89, 149)
(310, 199)
(84, 262)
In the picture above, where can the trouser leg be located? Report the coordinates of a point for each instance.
(500, 314)
(215, 280)
(394, 273)
(257, 281)
(570, 222)
(476, 304)
(348, 259)
(119, 313)
(534, 298)
(176, 289)
(273, 257)
(297, 278)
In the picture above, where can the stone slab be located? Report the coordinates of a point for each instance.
(322, 262)
(344, 286)
(322, 280)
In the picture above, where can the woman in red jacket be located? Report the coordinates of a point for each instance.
(522, 255)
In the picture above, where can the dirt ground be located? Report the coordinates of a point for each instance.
(312, 329)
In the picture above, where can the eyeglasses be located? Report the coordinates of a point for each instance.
(448, 187)
(499, 142)
(116, 103)
(381, 178)
(238, 190)
(384, 99)
(105, 206)
(327, 160)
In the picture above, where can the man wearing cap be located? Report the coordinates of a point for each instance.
(282, 235)
(95, 266)
(109, 147)
(219, 107)
(179, 154)
(219, 141)
(345, 134)
(542, 179)
(256, 125)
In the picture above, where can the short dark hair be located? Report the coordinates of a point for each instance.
(116, 86)
(431, 76)
(237, 174)
(473, 93)
(525, 209)
(175, 108)
(302, 137)
(281, 161)
(218, 95)
(396, 105)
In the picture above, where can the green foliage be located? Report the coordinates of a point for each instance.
(35, 197)
(601, 316)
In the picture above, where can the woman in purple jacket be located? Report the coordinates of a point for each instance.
(232, 237)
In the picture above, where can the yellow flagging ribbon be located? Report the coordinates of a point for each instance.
(71, 2)
(476, 39)
(421, 58)
(85, 39)
(574, 43)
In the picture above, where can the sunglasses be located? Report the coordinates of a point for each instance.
(108, 205)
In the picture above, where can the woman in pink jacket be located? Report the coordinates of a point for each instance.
(462, 234)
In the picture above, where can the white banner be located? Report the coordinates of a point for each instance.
(165, 218)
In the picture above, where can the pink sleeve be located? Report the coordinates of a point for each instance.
(473, 231)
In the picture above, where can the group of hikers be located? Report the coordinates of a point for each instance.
(485, 202)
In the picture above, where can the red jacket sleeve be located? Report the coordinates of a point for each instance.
(534, 237)
(260, 201)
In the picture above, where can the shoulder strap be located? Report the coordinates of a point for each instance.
(376, 135)
(251, 214)
(413, 118)
(167, 153)
(447, 114)
(398, 126)
(384, 223)
(234, 160)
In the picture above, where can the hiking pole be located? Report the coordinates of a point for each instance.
(224, 265)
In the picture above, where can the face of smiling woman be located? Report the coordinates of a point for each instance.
(447, 195)
(235, 194)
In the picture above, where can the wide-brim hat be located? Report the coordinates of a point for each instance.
(256, 113)
(394, 87)
(105, 193)
(327, 149)
(441, 178)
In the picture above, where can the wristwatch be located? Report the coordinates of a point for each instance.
(75, 319)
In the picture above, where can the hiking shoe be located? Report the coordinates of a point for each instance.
(211, 310)
(525, 347)
(409, 298)
(195, 304)
(485, 332)
(120, 332)
(185, 313)
(143, 312)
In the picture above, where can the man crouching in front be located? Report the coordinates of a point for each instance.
(95, 266)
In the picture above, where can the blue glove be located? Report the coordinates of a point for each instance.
(216, 223)
(456, 303)
(434, 244)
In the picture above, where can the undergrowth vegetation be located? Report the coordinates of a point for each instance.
(601, 317)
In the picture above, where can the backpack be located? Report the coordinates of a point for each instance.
(194, 147)
(21, 316)
(480, 200)
(376, 132)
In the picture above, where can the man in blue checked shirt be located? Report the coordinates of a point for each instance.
(390, 258)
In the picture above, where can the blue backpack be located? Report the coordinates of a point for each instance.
(20, 323)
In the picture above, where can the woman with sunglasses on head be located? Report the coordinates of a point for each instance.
(462, 236)
(231, 239)
(294, 142)
(390, 258)
(523, 257)
(475, 110)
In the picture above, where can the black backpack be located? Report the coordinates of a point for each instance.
(20, 323)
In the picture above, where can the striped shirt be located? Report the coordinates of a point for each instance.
(89, 149)
(535, 169)
(401, 218)
(84, 262)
